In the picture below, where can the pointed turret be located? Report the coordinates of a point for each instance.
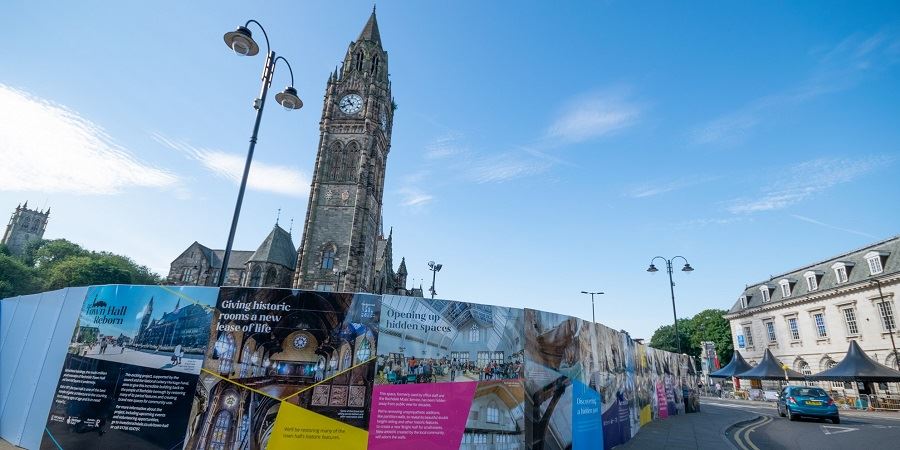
(370, 31)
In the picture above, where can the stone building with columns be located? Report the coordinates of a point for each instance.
(808, 316)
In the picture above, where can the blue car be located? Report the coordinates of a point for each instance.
(803, 401)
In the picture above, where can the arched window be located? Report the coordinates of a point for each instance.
(219, 438)
(473, 333)
(334, 159)
(364, 351)
(245, 361)
(271, 274)
(255, 276)
(245, 427)
(375, 65)
(345, 357)
(225, 347)
(805, 370)
(835, 384)
(350, 162)
(358, 61)
(328, 257)
(493, 413)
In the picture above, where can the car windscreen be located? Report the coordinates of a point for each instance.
(809, 392)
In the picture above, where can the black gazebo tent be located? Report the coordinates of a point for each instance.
(736, 366)
(857, 366)
(770, 369)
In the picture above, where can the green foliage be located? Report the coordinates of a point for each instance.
(16, 278)
(707, 325)
(55, 264)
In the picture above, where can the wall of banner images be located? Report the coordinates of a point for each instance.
(158, 367)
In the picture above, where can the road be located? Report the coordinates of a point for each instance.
(856, 430)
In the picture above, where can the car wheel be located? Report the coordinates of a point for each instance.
(836, 420)
(779, 411)
(790, 415)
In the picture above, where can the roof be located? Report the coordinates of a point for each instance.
(857, 272)
(237, 260)
(770, 368)
(370, 31)
(277, 248)
(736, 366)
(857, 366)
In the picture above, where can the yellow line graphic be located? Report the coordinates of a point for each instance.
(239, 384)
(328, 379)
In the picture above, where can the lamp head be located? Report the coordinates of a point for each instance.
(430, 264)
(437, 267)
(241, 42)
(652, 268)
(687, 268)
(585, 292)
(288, 98)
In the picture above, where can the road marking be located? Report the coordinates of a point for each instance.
(831, 429)
(743, 434)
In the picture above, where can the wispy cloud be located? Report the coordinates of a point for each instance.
(505, 167)
(807, 179)
(49, 148)
(413, 197)
(594, 115)
(833, 227)
(653, 189)
(278, 179)
(837, 68)
(445, 146)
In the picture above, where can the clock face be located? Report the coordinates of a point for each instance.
(383, 118)
(351, 104)
(300, 341)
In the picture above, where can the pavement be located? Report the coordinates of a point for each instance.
(7, 446)
(703, 430)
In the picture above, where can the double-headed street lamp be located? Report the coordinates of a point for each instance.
(338, 274)
(687, 268)
(434, 268)
(242, 43)
(592, 294)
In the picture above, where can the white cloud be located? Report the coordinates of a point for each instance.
(284, 180)
(49, 148)
(594, 115)
(653, 189)
(833, 227)
(414, 197)
(807, 179)
(445, 146)
(505, 167)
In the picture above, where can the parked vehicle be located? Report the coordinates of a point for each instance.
(803, 401)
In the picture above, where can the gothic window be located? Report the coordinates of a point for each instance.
(493, 413)
(375, 65)
(334, 159)
(219, 439)
(245, 427)
(186, 275)
(345, 357)
(255, 276)
(271, 275)
(328, 257)
(473, 333)
(358, 61)
(364, 351)
(245, 362)
(225, 348)
(350, 163)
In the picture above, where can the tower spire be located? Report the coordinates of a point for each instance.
(278, 217)
(370, 31)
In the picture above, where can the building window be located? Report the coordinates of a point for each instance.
(886, 310)
(271, 276)
(186, 275)
(812, 281)
(220, 430)
(766, 294)
(850, 319)
(792, 325)
(875, 263)
(841, 270)
(805, 370)
(225, 348)
(785, 288)
(324, 287)
(743, 302)
(835, 384)
(473, 333)
(461, 357)
(328, 258)
(770, 331)
(748, 336)
(364, 351)
(819, 318)
(493, 413)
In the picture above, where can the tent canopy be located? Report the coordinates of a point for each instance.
(857, 366)
(770, 368)
(736, 366)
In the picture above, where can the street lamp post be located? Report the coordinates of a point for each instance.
(241, 41)
(687, 268)
(338, 273)
(892, 326)
(593, 313)
(434, 268)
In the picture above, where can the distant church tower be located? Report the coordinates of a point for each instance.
(25, 225)
(343, 218)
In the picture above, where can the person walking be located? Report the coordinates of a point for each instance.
(179, 353)
(719, 389)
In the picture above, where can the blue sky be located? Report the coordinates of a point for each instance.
(538, 150)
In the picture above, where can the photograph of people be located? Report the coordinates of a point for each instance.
(429, 341)
(148, 326)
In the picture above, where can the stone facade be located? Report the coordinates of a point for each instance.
(25, 225)
(341, 234)
(808, 316)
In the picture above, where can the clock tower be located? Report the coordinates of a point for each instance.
(343, 219)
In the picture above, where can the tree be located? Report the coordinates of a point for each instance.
(16, 278)
(85, 271)
(48, 253)
(709, 325)
(664, 338)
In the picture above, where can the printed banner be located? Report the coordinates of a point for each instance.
(129, 377)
